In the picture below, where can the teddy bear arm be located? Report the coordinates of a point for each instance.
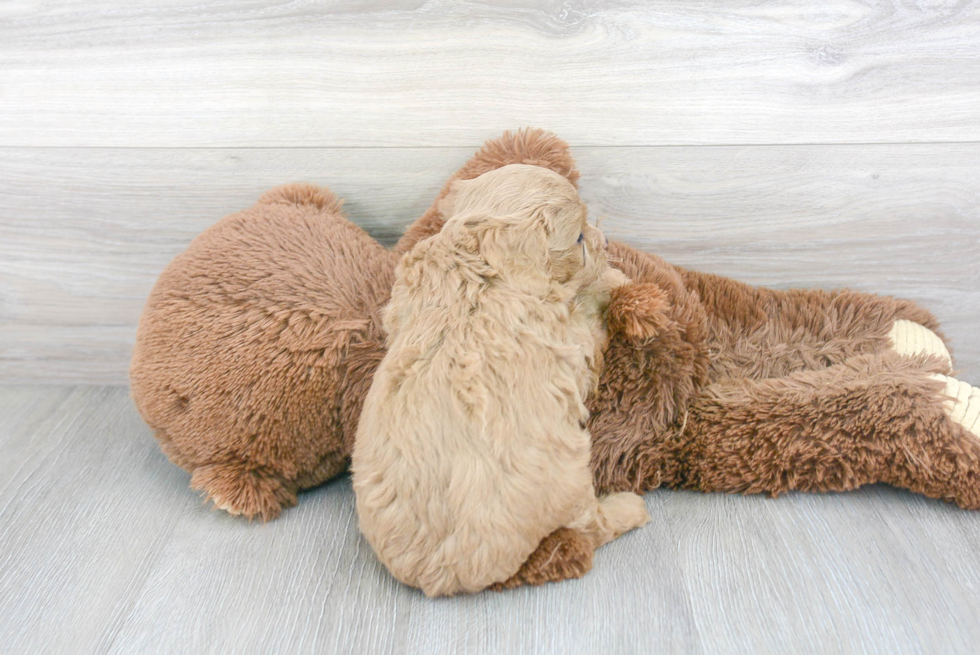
(638, 311)
(758, 332)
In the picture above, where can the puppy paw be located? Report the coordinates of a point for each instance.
(613, 277)
(638, 311)
(623, 512)
(909, 338)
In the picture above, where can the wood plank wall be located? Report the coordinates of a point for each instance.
(793, 145)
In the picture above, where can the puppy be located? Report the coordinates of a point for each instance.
(471, 446)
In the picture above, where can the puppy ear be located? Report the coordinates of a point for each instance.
(638, 311)
(515, 248)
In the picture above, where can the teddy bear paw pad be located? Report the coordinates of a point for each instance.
(910, 338)
(962, 404)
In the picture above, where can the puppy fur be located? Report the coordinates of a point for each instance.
(471, 447)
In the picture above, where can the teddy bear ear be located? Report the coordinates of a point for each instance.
(638, 311)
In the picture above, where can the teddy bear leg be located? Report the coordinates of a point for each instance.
(946, 463)
(962, 403)
(876, 418)
(562, 555)
(244, 491)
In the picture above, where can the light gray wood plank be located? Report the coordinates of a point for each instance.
(79, 530)
(401, 72)
(85, 232)
(103, 548)
(877, 570)
(310, 583)
(21, 410)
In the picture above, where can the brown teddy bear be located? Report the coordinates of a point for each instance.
(258, 344)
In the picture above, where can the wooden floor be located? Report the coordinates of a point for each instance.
(103, 548)
(820, 144)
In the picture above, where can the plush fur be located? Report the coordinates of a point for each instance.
(258, 344)
(471, 447)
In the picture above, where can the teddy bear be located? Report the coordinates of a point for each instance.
(258, 344)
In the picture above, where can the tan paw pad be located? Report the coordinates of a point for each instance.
(963, 404)
(910, 338)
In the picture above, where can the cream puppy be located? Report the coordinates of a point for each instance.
(470, 447)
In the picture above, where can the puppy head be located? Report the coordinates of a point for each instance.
(528, 222)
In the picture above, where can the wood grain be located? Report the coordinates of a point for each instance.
(104, 549)
(806, 145)
(79, 252)
(406, 73)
